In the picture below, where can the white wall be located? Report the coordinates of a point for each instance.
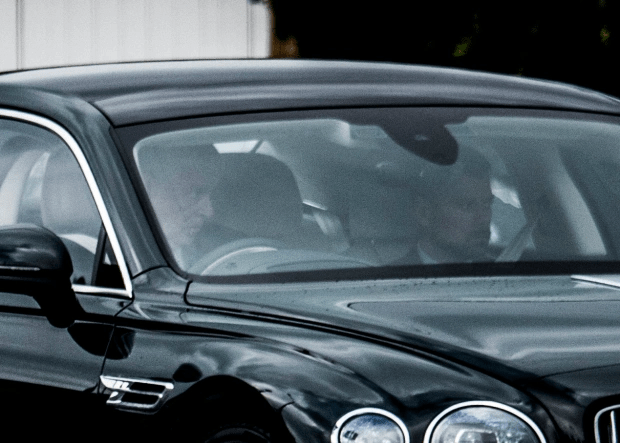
(39, 33)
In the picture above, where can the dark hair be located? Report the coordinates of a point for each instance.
(165, 164)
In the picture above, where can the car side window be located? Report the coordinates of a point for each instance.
(42, 183)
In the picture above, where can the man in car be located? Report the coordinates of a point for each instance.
(453, 213)
(179, 181)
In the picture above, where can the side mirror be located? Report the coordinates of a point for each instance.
(35, 262)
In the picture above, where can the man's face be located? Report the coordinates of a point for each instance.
(457, 223)
(182, 208)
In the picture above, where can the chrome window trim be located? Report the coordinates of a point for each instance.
(488, 404)
(68, 139)
(597, 417)
(612, 280)
(363, 411)
(99, 290)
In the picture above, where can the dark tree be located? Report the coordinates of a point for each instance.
(571, 41)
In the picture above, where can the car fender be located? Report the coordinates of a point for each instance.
(313, 377)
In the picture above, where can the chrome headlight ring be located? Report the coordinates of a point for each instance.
(496, 413)
(370, 425)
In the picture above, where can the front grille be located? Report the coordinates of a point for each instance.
(607, 425)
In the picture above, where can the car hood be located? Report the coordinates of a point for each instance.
(510, 326)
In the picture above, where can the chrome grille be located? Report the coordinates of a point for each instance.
(607, 425)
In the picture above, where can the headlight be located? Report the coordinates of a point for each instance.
(482, 422)
(370, 425)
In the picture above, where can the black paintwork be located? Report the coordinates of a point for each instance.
(142, 92)
(547, 346)
(34, 249)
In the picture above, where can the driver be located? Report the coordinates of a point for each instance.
(179, 181)
(453, 213)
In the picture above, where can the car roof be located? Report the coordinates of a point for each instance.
(129, 93)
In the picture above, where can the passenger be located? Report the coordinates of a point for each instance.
(178, 183)
(453, 213)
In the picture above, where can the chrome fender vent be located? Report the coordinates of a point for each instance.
(607, 425)
(135, 394)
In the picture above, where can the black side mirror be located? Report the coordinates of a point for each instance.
(35, 262)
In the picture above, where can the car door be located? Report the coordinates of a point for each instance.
(47, 372)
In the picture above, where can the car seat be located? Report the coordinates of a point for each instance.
(257, 195)
(68, 209)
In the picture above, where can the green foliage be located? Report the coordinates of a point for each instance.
(604, 35)
(552, 39)
(461, 48)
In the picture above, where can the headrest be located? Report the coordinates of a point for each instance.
(67, 205)
(258, 196)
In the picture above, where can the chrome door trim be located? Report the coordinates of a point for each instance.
(92, 184)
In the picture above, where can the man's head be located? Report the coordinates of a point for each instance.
(178, 181)
(453, 210)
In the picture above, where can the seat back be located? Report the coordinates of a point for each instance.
(257, 196)
(19, 157)
(67, 206)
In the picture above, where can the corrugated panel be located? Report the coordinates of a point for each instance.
(8, 42)
(64, 32)
(259, 34)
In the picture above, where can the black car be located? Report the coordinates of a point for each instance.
(309, 251)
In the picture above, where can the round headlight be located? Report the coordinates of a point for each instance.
(482, 422)
(370, 425)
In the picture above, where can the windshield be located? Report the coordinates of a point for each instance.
(381, 189)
